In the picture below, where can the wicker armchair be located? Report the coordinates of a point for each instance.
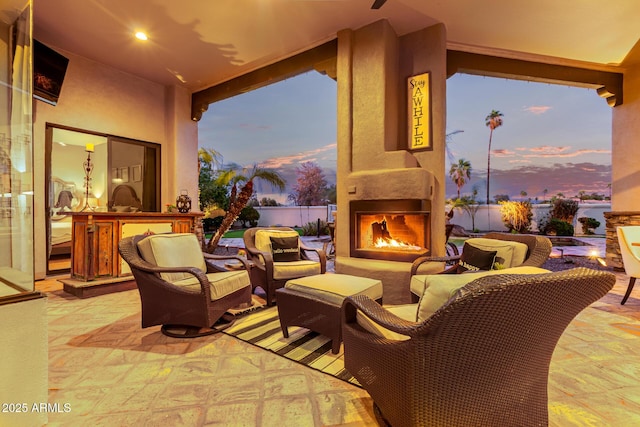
(176, 291)
(271, 275)
(538, 250)
(482, 359)
(627, 236)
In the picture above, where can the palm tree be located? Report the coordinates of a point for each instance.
(460, 172)
(493, 121)
(448, 139)
(239, 199)
(210, 157)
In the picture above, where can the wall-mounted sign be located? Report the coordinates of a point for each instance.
(419, 111)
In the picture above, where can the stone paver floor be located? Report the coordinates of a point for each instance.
(113, 373)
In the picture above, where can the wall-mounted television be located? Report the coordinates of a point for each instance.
(49, 68)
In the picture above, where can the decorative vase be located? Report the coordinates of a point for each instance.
(183, 202)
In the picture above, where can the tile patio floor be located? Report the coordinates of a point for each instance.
(113, 373)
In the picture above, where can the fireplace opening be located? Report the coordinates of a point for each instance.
(390, 235)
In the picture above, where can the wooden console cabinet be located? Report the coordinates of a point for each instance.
(95, 238)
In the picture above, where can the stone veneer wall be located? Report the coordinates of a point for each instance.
(613, 220)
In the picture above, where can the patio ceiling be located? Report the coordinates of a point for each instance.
(199, 44)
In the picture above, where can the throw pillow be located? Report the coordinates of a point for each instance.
(285, 249)
(475, 259)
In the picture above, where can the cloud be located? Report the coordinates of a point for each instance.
(566, 178)
(548, 149)
(304, 156)
(537, 109)
(502, 152)
(575, 153)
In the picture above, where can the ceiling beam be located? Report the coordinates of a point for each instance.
(608, 84)
(316, 58)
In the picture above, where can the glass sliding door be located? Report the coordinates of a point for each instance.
(135, 170)
(16, 153)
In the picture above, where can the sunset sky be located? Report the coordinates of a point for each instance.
(553, 137)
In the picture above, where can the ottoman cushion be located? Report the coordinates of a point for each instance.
(333, 288)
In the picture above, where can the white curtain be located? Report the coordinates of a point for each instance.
(21, 154)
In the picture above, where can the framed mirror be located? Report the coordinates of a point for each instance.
(125, 177)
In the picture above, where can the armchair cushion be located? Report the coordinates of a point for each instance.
(295, 269)
(508, 253)
(475, 259)
(285, 248)
(404, 311)
(222, 283)
(439, 288)
(173, 250)
(263, 238)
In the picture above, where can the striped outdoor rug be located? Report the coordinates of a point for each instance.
(262, 328)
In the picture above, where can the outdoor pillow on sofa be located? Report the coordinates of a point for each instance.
(508, 253)
(263, 238)
(475, 259)
(173, 250)
(283, 270)
(440, 287)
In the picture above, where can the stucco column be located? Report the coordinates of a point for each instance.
(374, 163)
(180, 161)
(625, 168)
(625, 142)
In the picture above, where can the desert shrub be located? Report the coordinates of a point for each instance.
(516, 216)
(564, 209)
(311, 228)
(588, 224)
(211, 224)
(249, 214)
(558, 227)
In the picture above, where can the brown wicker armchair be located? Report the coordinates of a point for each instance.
(176, 291)
(537, 252)
(482, 359)
(271, 274)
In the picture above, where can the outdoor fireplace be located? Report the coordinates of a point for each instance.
(393, 230)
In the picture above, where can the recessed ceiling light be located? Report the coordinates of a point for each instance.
(141, 36)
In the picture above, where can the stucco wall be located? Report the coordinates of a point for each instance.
(290, 216)
(102, 99)
(625, 146)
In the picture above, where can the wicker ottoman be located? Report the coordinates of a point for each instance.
(314, 302)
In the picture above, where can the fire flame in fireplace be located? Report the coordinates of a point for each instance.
(395, 244)
(382, 238)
